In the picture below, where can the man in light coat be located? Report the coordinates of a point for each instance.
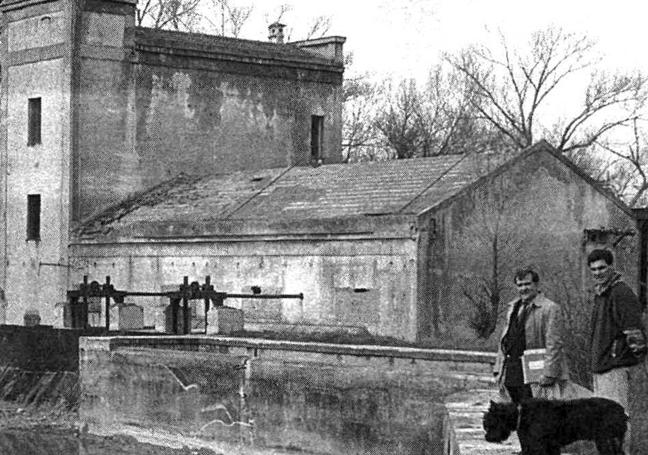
(532, 322)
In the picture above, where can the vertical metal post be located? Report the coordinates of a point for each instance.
(107, 305)
(185, 306)
(175, 303)
(207, 288)
(74, 312)
(84, 306)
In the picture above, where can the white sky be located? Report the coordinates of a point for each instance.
(404, 38)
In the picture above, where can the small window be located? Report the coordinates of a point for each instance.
(33, 216)
(34, 119)
(317, 136)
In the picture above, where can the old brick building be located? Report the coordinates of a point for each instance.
(95, 109)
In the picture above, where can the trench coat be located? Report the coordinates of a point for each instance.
(543, 329)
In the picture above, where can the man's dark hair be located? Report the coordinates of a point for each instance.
(600, 254)
(522, 274)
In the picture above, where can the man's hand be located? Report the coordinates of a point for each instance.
(547, 381)
(636, 341)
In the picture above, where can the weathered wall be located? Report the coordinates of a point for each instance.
(106, 167)
(367, 283)
(250, 396)
(118, 118)
(532, 214)
(537, 212)
(36, 64)
(146, 116)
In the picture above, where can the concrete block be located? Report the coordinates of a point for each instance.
(224, 320)
(32, 318)
(131, 317)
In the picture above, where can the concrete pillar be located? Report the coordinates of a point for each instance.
(224, 320)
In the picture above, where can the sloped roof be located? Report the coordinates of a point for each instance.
(225, 46)
(300, 193)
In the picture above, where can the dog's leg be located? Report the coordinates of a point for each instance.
(606, 447)
(524, 443)
(531, 446)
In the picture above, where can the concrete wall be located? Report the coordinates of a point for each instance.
(246, 396)
(367, 283)
(117, 119)
(149, 113)
(36, 64)
(105, 162)
(534, 213)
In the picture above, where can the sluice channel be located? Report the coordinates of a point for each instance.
(63, 393)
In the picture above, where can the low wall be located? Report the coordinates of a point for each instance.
(256, 396)
(39, 348)
(39, 365)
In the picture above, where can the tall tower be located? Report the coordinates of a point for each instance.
(44, 46)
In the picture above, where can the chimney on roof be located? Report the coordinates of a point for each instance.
(276, 32)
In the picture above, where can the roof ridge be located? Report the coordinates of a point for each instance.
(434, 182)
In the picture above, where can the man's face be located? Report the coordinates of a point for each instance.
(526, 288)
(600, 270)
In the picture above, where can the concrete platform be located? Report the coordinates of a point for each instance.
(464, 434)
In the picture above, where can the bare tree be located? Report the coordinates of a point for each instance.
(279, 14)
(437, 120)
(495, 241)
(171, 14)
(398, 122)
(631, 167)
(231, 18)
(361, 141)
(511, 87)
(318, 27)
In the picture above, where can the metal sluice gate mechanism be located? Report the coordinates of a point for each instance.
(78, 300)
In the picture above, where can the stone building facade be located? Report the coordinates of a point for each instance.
(420, 249)
(96, 109)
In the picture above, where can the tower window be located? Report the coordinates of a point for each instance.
(317, 136)
(33, 216)
(34, 121)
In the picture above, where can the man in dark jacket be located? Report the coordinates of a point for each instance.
(533, 322)
(617, 338)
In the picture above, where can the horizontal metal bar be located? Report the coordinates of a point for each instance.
(265, 296)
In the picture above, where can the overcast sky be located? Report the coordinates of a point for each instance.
(406, 37)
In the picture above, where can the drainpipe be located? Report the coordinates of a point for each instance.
(643, 260)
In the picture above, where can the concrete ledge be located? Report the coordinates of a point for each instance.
(193, 342)
(273, 396)
(463, 433)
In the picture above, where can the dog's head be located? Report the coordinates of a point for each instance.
(500, 421)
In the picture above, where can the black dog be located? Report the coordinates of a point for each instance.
(544, 426)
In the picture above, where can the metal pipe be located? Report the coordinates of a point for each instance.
(185, 308)
(265, 296)
(107, 305)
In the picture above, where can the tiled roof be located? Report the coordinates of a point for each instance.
(300, 193)
(225, 46)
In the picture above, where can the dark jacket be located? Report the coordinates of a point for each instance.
(616, 308)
